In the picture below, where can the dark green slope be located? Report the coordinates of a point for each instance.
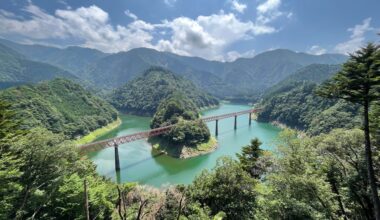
(143, 94)
(61, 106)
(72, 59)
(293, 102)
(316, 73)
(15, 69)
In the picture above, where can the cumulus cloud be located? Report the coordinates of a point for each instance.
(237, 6)
(90, 25)
(357, 38)
(269, 11)
(204, 36)
(208, 36)
(317, 50)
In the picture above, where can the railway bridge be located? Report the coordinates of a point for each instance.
(115, 142)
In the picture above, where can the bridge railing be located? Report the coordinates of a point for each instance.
(219, 117)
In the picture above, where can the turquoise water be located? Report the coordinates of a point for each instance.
(139, 164)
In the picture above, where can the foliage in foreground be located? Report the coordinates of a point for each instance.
(314, 178)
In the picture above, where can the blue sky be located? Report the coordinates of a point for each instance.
(213, 29)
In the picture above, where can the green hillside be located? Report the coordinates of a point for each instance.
(316, 73)
(16, 69)
(61, 106)
(222, 79)
(143, 95)
(242, 79)
(293, 102)
(299, 107)
(72, 59)
(189, 136)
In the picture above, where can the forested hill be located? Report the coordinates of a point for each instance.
(245, 77)
(16, 69)
(316, 73)
(223, 79)
(143, 94)
(293, 102)
(59, 105)
(72, 59)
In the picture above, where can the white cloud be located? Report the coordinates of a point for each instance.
(268, 6)
(170, 3)
(269, 11)
(237, 6)
(208, 36)
(317, 50)
(233, 55)
(90, 25)
(130, 14)
(204, 36)
(357, 38)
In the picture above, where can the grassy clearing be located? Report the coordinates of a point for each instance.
(98, 132)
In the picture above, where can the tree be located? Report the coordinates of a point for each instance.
(10, 165)
(359, 82)
(227, 188)
(249, 158)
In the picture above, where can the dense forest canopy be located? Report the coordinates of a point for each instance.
(60, 106)
(293, 102)
(143, 95)
(15, 69)
(180, 111)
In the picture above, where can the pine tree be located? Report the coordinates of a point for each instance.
(250, 156)
(359, 82)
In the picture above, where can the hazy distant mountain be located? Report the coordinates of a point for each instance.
(117, 69)
(221, 79)
(268, 68)
(72, 59)
(245, 76)
(143, 94)
(15, 69)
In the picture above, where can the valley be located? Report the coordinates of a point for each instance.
(140, 164)
(148, 134)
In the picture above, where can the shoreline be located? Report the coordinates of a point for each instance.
(186, 152)
(93, 135)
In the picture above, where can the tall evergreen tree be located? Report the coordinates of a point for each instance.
(359, 82)
(250, 156)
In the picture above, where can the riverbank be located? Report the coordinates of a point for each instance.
(183, 152)
(98, 132)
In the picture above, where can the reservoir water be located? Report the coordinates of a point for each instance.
(139, 164)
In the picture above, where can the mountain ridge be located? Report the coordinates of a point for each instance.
(242, 77)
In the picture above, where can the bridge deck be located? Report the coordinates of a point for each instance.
(157, 131)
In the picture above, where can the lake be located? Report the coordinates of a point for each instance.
(139, 164)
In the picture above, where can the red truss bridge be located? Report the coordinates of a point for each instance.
(114, 142)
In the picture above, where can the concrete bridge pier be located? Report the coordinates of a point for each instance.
(235, 124)
(117, 161)
(216, 127)
(250, 119)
